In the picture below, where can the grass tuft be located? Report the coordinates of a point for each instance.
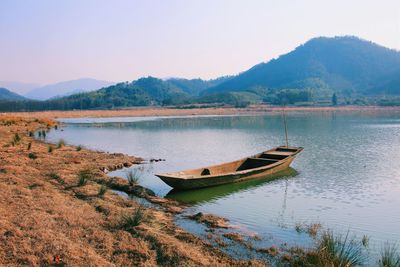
(365, 241)
(133, 176)
(56, 177)
(60, 143)
(335, 251)
(16, 139)
(390, 256)
(138, 216)
(102, 190)
(83, 177)
(341, 251)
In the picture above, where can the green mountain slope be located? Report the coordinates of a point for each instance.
(195, 86)
(343, 64)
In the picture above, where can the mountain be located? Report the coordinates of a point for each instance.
(340, 64)
(142, 92)
(66, 88)
(195, 86)
(8, 95)
(18, 87)
(358, 72)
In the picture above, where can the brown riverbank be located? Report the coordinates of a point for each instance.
(51, 216)
(159, 111)
(47, 218)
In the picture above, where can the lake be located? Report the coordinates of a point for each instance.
(347, 178)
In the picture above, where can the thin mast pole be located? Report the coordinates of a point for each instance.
(284, 120)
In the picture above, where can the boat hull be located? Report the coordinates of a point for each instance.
(185, 184)
(191, 179)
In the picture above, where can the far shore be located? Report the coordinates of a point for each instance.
(175, 111)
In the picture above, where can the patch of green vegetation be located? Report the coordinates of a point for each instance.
(102, 190)
(138, 216)
(60, 143)
(133, 176)
(32, 155)
(56, 177)
(365, 240)
(16, 139)
(333, 250)
(390, 256)
(83, 177)
(78, 148)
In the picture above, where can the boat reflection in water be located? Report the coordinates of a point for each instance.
(212, 193)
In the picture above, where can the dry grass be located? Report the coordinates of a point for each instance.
(43, 223)
(154, 111)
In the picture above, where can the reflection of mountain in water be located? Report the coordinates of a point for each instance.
(212, 193)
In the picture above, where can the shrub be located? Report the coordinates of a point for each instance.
(133, 176)
(131, 220)
(78, 148)
(390, 256)
(341, 251)
(333, 250)
(16, 139)
(32, 155)
(56, 177)
(50, 149)
(83, 177)
(60, 143)
(102, 190)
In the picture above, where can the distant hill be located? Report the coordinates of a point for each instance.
(8, 95)
(340, 64)
(66, 88)
(18, 87)
(357, 71)
(142, 92)
(195, 86)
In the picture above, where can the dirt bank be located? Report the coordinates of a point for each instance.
(55, 209)
(159, 111)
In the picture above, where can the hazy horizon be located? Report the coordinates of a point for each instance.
(47, 41)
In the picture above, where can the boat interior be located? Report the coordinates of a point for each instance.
(260, 160)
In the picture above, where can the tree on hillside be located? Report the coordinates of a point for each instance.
(334, 99)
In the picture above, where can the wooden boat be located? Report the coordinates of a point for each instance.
(257, 166)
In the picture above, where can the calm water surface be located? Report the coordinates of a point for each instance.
(347, 178)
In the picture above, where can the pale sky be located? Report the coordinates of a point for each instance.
(46, 41)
